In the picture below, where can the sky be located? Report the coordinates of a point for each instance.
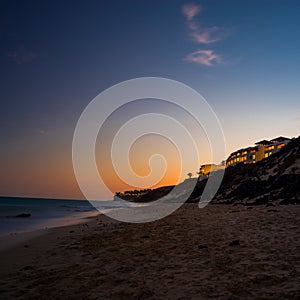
(242, 56)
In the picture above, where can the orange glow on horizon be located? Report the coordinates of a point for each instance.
(139, 159)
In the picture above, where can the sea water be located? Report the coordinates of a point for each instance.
(45, 213)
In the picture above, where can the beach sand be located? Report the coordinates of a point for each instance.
(218, 252)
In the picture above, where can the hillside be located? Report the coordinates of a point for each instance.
(274, 179)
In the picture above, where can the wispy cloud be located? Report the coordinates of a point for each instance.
(208, 35)
(190, 11)
(204, 57)
(201, 34)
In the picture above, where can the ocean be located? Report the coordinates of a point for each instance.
(45, 213)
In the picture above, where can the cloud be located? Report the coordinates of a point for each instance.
(204, 57)
(190, 11)
(21, 56)
(208, 35)
(201, 34)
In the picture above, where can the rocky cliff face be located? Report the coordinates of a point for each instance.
(274, 179)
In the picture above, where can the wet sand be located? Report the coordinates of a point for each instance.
(219, 252)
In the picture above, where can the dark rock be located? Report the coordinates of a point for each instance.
(202, 247)
(234, 243)
(23, 215)
(27, 268)
(270, 204)
(145, 237)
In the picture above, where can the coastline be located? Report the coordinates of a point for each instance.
(19, 250)
(12, 239)
(191, 253)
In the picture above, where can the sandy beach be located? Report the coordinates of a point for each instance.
(219, 252)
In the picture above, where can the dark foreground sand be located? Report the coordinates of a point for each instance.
(184, 256)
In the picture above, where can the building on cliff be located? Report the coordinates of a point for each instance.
(261, 150)
(204, 170)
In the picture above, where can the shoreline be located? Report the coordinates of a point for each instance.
(22, 248)
(12, 239)
(218, 252)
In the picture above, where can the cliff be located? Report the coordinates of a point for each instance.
(274, 179)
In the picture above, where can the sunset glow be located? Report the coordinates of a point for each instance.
(245, 64)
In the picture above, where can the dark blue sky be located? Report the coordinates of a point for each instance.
(55, 56)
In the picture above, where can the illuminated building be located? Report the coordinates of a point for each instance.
(263, 149)
(206, 169)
